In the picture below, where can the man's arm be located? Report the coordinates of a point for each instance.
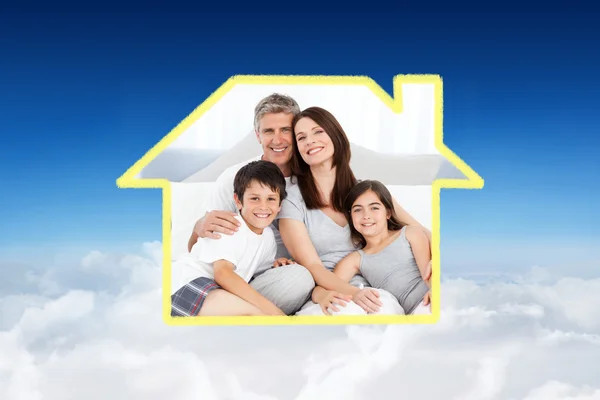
(212, 224)
(226, 277)
(407, 219)
(421, 251)
(221, 209)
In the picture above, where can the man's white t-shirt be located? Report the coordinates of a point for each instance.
(221, 198)
(246, 250)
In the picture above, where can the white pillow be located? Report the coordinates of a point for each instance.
(187, 201)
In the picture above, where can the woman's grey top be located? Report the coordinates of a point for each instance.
(395, 270)
(331, 241)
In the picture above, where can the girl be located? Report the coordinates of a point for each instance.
(391, 256)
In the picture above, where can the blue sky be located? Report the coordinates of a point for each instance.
(85, 94)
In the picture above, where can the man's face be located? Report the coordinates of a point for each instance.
(275, 136)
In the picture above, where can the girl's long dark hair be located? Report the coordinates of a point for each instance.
(393, 223)
(344, 177)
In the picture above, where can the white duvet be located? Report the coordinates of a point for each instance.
(390, 307)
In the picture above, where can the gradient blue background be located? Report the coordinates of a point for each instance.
(85, 92)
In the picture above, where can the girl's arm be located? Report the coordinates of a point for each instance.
(348, 266)
(421, 250)
(407, 219)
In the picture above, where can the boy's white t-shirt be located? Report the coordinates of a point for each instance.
(221, 198)
(246, 250)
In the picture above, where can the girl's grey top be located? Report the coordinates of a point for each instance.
(395, 270)
(331, 241)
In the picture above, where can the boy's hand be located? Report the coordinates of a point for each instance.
(282, 261)
(330, 299)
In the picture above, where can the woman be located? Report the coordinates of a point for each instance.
(312, 223)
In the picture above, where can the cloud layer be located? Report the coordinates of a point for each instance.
(94, 330)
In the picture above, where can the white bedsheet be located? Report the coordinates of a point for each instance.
(390, 307)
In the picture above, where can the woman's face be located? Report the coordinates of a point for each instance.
(369, 215)
(314, 144)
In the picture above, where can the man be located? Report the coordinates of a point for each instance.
(290, 286)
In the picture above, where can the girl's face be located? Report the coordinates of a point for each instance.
(369, 215)
(314, 144)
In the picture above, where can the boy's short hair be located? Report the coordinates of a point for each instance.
(264, 172)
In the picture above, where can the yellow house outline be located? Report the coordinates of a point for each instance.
(473, 181)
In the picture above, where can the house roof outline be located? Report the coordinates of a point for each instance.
(130, 179)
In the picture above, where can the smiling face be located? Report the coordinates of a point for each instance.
(275, 136)
(314, 144)
(259, 206)
(369, 215)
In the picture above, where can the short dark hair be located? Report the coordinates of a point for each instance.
(264, 172)
(386, 199)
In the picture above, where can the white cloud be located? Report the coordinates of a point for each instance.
(554, 390)
(94, 330)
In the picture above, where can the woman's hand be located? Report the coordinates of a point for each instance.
(282, 261)
(368, 300)
(330, 299)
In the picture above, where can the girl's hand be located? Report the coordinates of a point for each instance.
(282, 261)
(368, 300)
(330, 299)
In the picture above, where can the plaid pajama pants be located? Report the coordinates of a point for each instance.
(188, 300)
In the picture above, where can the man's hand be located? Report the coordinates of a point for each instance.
(216, 222)
(330, 299)
(281, 262)
(427, 276)
(368, 300)
(427, 298)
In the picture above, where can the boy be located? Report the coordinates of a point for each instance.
(213, 278)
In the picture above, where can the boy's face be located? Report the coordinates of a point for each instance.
(259, 207)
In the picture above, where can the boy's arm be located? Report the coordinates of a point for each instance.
(421, 250)
(226, 277)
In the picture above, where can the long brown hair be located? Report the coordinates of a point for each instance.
(344, 177)
(393, 223)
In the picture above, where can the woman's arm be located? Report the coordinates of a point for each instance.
(407, 219)
(345, 270)
(297, 241)
(421, 250)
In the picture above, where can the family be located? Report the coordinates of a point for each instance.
(294, 232)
